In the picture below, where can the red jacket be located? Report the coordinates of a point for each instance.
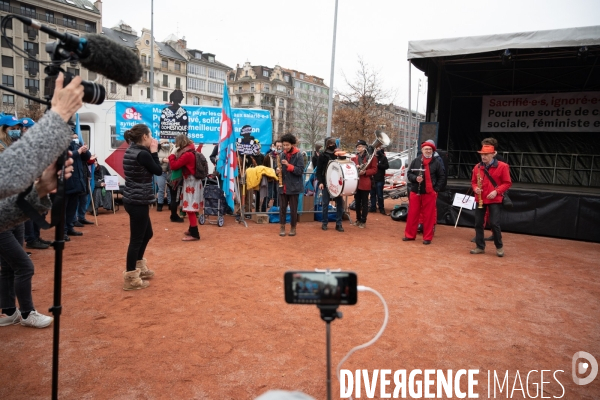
(501, 174)
(364, 181)
(187, 160)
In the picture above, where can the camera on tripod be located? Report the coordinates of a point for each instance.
(320, 288)
(93, 93)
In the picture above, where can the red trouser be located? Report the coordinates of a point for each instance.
(421, 216)
(424, 203)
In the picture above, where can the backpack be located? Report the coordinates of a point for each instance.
(201, 166)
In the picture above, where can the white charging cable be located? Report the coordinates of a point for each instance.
(370, 342)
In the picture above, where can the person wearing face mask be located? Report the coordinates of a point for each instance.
(426, 177)
(10, 131)
(324, 158)
(378, 182)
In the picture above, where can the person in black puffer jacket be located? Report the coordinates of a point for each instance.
(140, 162)
(378, 182)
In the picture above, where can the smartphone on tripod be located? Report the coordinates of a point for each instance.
(320, 288)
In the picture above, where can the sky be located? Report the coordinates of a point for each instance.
(299, 34)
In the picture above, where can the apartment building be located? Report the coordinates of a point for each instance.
(76, 17)
(403, 136)
(125, 36)
(205, 76)
(311, 99)
(264, 88)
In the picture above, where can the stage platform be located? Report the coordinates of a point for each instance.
(567, 212)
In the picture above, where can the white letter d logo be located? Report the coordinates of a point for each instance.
(582, 367)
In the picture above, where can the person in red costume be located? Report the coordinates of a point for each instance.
(426, 176)
(184, 156)
(490, 180)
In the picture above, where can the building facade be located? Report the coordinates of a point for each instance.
(264, 88)
(205, 78)
(76, 17)
(309, 109)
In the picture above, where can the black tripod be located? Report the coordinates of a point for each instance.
(328, 314)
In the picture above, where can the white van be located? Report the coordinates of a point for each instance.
(396, 173)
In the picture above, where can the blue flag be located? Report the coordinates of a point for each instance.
(78, 130)
(227, 162)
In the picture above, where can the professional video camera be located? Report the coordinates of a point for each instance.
(95, 52)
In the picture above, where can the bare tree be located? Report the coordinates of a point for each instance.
(311, 116)
(361, 111)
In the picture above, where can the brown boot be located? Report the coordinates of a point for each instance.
(145, 273)
(281, 230)
(132, 280)
(292, 231)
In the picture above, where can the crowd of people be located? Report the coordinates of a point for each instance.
(167, 173)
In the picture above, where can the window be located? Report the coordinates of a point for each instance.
(32, 83)
(266, 87)
(74, 71)
(8, 99)
(281, 102)
(7, 62)
(9, 23)
(147, 93)
(281, 88)
(50, 16)
(69, 21)
(301, 76)
(165, 96)
(4, 6)
(214, 87)
(266, 73)
(280, 114)
(90, 26)
(7, 42)
(144, 61)
(8, 80)
(28, 11)
(31, 48)
(165, 81)
(286, 78)
(147, 42)
(195, 69)
(164, 64)
(177, 83)
(215, 102)
(196, 101)
(114, 143)
(216, 74)
(129, 90)
(211, 59)
(195, 84)
(177, 66)
(92, 76)
(113, 87)
(294, 74)
(252, 87)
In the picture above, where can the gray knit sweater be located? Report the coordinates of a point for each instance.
(24, 161)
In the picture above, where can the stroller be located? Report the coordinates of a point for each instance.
(214, 202)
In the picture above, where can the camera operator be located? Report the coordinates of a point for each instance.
(34, 156)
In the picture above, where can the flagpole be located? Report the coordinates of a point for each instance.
(330, 105)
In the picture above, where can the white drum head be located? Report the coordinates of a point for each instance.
(342, 178)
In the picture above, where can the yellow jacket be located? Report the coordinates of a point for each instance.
(254, 175)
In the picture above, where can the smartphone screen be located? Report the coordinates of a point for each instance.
(309, 287)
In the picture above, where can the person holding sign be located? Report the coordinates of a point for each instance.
(140, 162)
(494, 180)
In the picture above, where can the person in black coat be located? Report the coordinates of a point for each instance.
(76, 186)
(322, 162)
(379, 181)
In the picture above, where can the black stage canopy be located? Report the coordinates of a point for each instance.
(462, 71)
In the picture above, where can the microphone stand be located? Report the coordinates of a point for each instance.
(329, 314)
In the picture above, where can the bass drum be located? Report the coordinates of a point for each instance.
(342, 178)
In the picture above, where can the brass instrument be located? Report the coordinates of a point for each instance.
(280, 173)
(381, 140)
(480, 186)
(421, 175)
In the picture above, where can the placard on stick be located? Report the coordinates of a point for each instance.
(112, 182)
